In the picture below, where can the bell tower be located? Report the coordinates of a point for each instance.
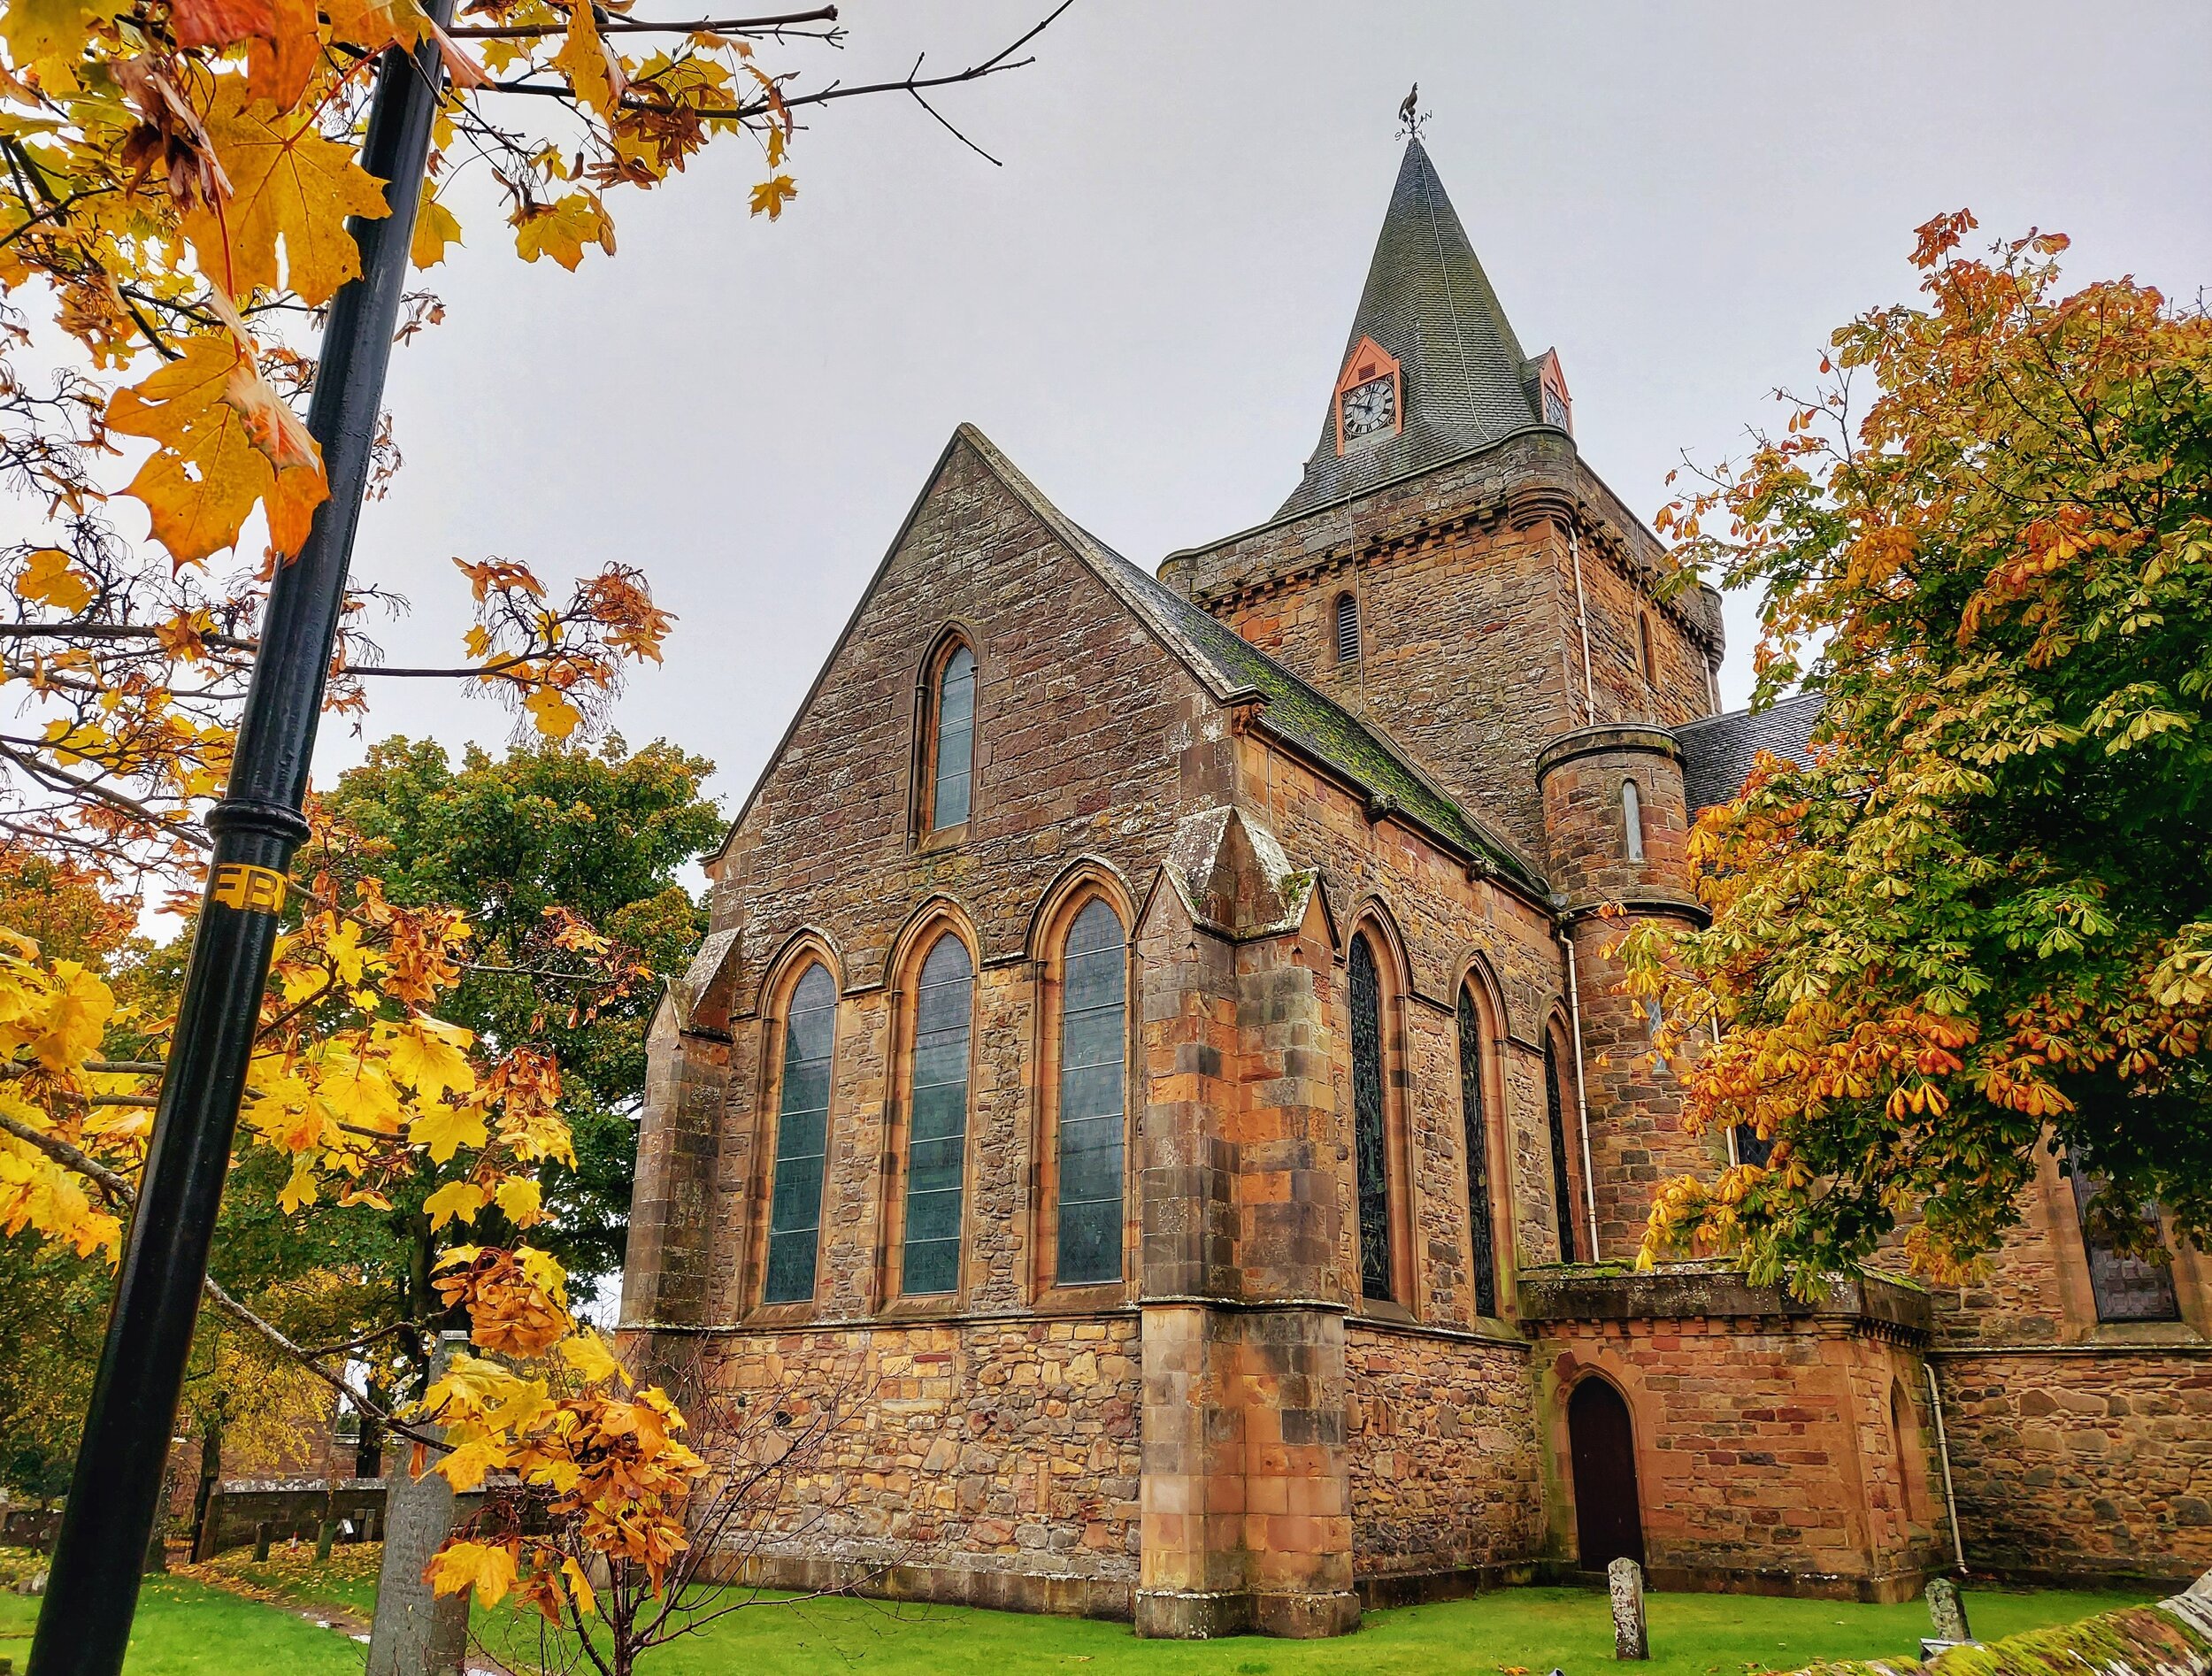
(1448, 566)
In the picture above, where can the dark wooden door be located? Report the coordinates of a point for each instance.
(1609, 1519)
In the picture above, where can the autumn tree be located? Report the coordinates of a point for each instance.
(176, 178)
(1977, 927)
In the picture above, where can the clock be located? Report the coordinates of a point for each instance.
(1371, 407)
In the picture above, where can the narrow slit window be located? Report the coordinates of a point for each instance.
(795, 1212)
(1562, 1191)
(1633, 819)
(1094, 1031)
(952, 775)
(1370, 1142)
(1482, 1235)
(1644, 649)
(1347, 630)
(937, 1124)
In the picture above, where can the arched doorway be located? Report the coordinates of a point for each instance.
(1609, 1519)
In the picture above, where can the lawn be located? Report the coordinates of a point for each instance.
(186, 1628)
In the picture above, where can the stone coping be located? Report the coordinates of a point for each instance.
(1699, 1291)
(1606, 736)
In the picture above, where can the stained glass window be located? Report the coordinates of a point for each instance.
(1092, 1033)
(937, 1125)
(1563, 1195)
(795, 1212)
(956, 740)
(1369, 1142)
(1482, 1236)
(2126, 1288)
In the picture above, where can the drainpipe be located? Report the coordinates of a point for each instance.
(1943, 1453)
(1582, 1102)
(1582, 615)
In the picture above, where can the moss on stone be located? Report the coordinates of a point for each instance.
(2138, 1641)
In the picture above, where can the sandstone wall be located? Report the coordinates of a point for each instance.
(1446, 1473)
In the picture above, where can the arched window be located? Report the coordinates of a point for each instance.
(795, 1202)
(1371, 1144)
(1633, 819)
(1093, 1030)
(1562, 1193)
(952, 769)
(1347, 630)
(2125, 1287)
(1481, 1230)
(937, 1123)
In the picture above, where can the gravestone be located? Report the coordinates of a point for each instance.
(1946, 1614)
(418, 1632)
(1625, 1578)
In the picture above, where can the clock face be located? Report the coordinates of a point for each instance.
(1371, 407)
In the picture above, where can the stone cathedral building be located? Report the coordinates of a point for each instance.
(1156, 1061)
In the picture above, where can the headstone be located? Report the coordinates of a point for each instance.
(325, 1534)
(416, 1632)
(157, 1551)
(261, 1543)
(1625, 1577)
(1946, 1612)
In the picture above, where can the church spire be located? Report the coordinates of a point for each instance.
(1459, 380)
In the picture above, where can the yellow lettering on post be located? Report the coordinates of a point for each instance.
(251, 889)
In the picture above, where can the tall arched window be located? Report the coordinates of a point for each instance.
(1481, 1232)
(1561, 1193)
(1093, 1030)
(795, 1202)
(1371, 1144)
(952, 771)
(1633, 819)
(937, 1124)
(1347, 630)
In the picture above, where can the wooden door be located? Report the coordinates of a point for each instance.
(1608, 1517)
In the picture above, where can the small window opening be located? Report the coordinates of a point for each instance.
(1633, 820)
(1347, 630)
(2125, 1287)
(1643, 646)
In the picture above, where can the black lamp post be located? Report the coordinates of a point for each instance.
(84, 1625)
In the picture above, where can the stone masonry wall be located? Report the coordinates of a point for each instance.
(1008, 1447)
(1764, 1451)
(2090, 1466)
(1445, 1468)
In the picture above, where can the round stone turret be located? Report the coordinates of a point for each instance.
(1616, 821)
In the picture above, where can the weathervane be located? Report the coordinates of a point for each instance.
(1410, 116)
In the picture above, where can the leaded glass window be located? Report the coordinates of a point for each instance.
(937, 1126)
(1482, 1236)
(1369, 1145)
(2126, 1288)
(1561, 1195)
(1633, 820)
(1094, 1031)
(794, 1210)
(951, 774)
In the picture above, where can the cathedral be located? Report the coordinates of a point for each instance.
(1156, 1072)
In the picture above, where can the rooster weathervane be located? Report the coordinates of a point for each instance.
(1410, 116)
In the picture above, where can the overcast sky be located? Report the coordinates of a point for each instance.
(1144, 306)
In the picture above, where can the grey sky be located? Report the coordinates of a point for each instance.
(1144, 307)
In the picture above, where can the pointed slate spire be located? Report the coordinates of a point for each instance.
(1428, 304)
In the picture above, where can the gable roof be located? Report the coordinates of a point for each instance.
(1718, 751)
(1229, 668)
(1429, 303)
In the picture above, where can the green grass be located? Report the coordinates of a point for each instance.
(1532, 1629)
(185, 1628)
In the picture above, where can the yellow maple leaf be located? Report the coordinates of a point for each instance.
(425, 1055)
(555, 716)
(519, 1201)
(435, 227)
(487, 1567)
(300, 1190)
(587, 1353)
(50, 580)
(462, 1199)
(77, 1013)
(587, 1602)
(445, 1129)
(772, 195)
(561, 230)
(584, 59)
(289, 185)
(465, 1465)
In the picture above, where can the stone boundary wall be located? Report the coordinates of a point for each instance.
(1441, 1447)
(990, 1462)
(2089, 1467)
(290, 1508)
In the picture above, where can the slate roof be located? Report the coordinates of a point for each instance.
(1232, 668)
(1429, 303)
(1718, 751)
